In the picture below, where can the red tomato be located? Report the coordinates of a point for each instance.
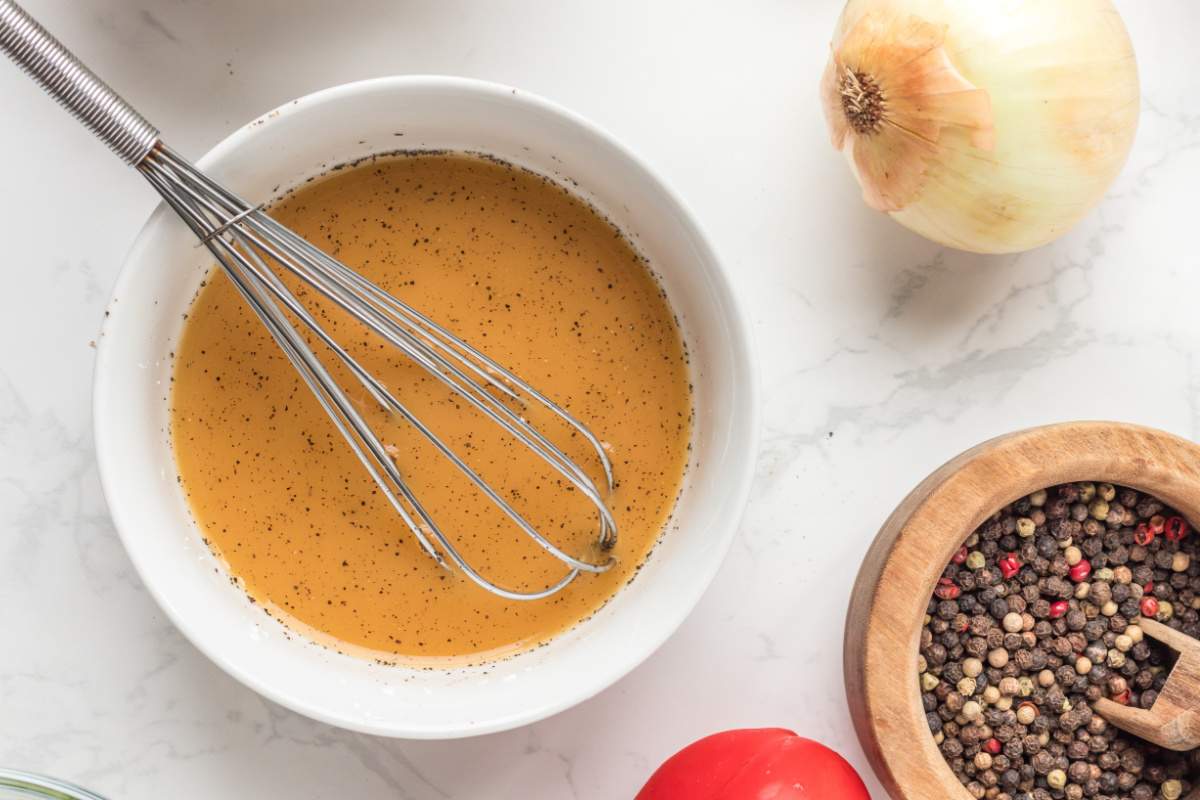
(755, 764)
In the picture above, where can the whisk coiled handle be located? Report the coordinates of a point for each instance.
(73, 85)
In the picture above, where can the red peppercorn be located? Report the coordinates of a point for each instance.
(1010, 565)
(1148, 588)
(1158, 523)
(1081, 571)
(1176, 529)
(993, 746)
(1122, 698)
(1059, 608)
(1143, 535)
(947, 589)
(961, 555)
(1149, 606)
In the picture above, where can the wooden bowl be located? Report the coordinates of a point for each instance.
(903, 565)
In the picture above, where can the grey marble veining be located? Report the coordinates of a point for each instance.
(884, 355)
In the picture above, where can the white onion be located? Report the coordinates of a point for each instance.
(987, 125)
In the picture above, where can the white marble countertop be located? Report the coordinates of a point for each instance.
(884, 355)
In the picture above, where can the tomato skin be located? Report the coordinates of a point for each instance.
(755, 764)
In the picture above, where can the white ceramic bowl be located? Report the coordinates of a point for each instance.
(163, 271)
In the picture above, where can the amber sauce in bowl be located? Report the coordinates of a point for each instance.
(516, 265)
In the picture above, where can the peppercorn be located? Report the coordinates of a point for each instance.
(1079, 772)
(1166, 610)
(1081, 570)
(1133, 760)
(947, 589)
(1010, 565)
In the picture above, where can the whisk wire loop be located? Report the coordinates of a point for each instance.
(243, 239)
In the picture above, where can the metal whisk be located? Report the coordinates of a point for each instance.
(255, 250)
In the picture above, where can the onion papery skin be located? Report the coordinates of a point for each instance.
(1061, 80)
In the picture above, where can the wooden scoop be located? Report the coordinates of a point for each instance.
(1173, 721)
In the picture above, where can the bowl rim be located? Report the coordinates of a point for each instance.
(883, 622)
(36, 785)
(738, 485)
